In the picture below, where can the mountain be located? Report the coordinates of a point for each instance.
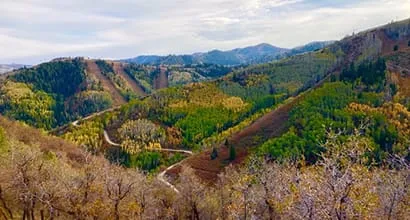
(241, 56)
(238, 56)
(64, 89)
(4, 68)
(323, 134)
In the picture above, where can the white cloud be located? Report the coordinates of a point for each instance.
(123, 28)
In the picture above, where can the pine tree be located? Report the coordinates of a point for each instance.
(214, 154)
(232, 153)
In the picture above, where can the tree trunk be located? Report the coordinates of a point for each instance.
(3, 202)
(270, 210)
(195, 211)
(117, 215)
(24, 213)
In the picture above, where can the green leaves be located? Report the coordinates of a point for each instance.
(333, 107)
(59, 77)
(139, 135)
(18, 101)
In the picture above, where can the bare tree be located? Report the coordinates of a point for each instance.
(192, 194)
(119, 186)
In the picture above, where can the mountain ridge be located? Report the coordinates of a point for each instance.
(259, 53)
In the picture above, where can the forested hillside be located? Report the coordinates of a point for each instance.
(41, 181)
(260, 53)
(55, 93)
(202, 115)
(318, 135)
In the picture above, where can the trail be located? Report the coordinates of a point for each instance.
(161, 176)
(272, 124)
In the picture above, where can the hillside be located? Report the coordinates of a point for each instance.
(269, 132)
(241, 56)
(19, 132)
(320, 133)
(62, 90)
(68, 88)
(204, 115)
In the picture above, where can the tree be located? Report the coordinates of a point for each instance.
(214, 153)
(20, 102)
(119, 185)
(232, 153)
(139, 135)
(192, 193)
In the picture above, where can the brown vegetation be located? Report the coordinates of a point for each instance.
(36, 185)
(34, 137)
(119, 69)
(108, 86)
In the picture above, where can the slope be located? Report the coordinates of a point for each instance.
(119, 69)
(270, 125)
(33, 137)
(108, 86)
(161, 80)
(365, 46)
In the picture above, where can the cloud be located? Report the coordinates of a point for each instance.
(32, 31)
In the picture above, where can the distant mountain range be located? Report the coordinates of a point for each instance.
(241, 56)
(4, 68)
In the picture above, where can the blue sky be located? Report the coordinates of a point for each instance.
(34, 31)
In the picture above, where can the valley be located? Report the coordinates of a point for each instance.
(260, 132)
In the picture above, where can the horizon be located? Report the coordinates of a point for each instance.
(36, 32)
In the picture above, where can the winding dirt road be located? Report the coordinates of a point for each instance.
(161, 176)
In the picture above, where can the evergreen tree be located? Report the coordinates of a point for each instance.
(232, 153)
(214, 154)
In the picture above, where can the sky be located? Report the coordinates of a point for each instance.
(35, 31)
